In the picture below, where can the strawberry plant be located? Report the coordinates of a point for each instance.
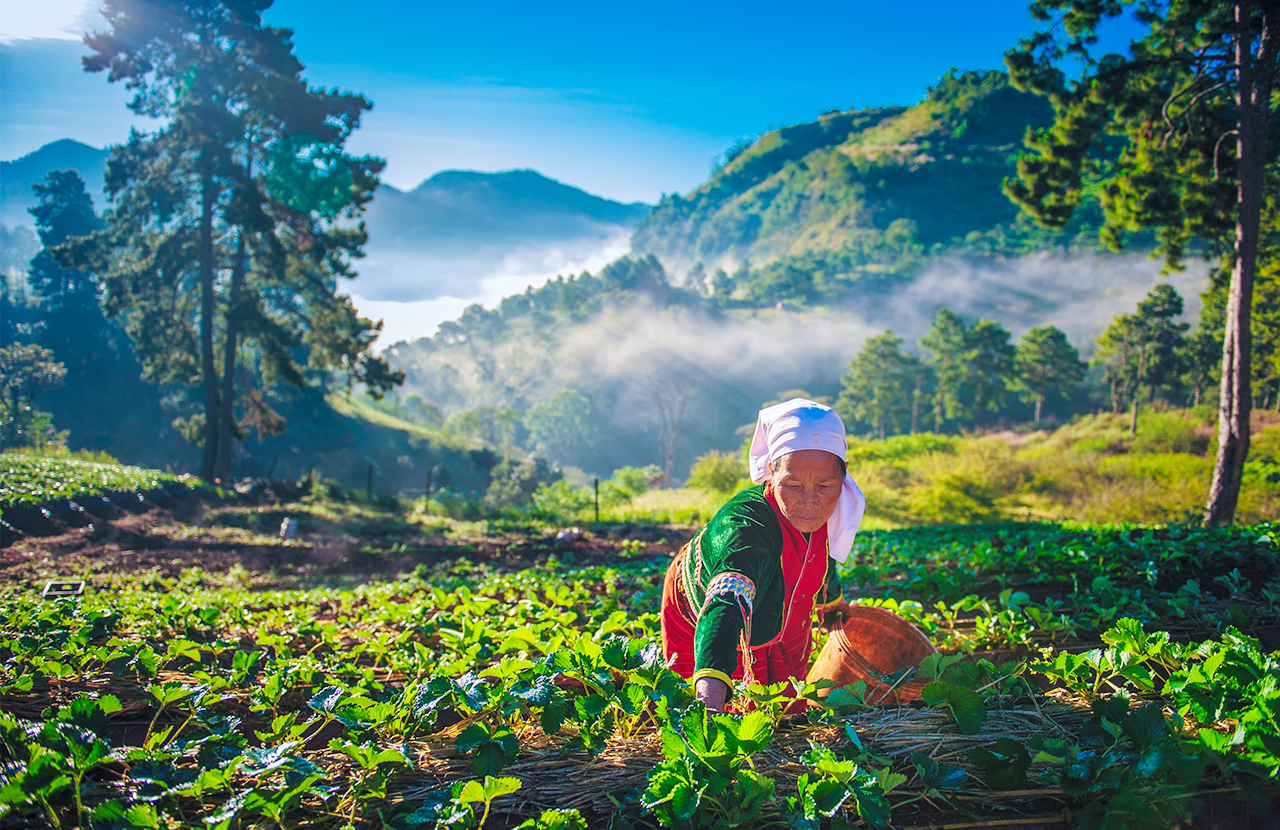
(707, 779)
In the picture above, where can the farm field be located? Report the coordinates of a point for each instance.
(390, 669)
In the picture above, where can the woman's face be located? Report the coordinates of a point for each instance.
(807, 484)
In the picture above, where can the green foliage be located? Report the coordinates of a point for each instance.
(974, 366)
(31, 480)
(626, 483)
(248, 172)
(707, 779)
(514, 482)
(836, 783)
(25, 372)
(1046, 364)
(1141, 349)
(720, 472)
(560, 424)
(1092, 469)
(829, 208)
(879, 386)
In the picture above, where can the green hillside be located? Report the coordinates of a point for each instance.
(862, 195)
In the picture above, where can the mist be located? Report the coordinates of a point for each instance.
(413, 293)
(739, 361)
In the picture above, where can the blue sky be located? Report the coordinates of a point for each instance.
(625, 100)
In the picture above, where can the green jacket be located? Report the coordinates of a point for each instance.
(744, 537)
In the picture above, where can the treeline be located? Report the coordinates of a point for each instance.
(970, 376)
(567, 300)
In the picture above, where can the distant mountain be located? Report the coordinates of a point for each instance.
(17, 176)
(460, 227)
(443, 238)
(863, 195)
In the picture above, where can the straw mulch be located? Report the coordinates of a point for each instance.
(552, 779)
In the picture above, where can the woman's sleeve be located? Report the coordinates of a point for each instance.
(731, 594)
(715, 640)
(832, 592)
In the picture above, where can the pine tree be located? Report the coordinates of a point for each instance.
(247, 177)
(990, 357)
(947, 344)
(1142, 348)
(1203, 74)
(879, 385)
(1046, 364)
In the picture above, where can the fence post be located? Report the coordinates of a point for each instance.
(597, 488)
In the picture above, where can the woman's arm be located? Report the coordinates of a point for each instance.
(712, 692)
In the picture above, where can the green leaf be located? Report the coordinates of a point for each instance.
(848, 698)
(495, 787)
(662, 784)
(937, 775)
(754, 732)
(555, 820)
(1006, 768)
(935, 693)
(827, 796)
(966, 706)
(673, 746)
(553, 716)
(685, 800)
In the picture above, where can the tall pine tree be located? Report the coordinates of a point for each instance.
(1192, 107)
(247, 179)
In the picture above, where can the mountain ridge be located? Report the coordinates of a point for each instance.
(865, 192)
(443, 237)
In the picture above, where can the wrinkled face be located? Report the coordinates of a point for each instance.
(807, 484)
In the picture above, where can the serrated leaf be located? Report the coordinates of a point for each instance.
(684, 800)
(754, 732)
(495, 787)
(326, 699)
(968, 709)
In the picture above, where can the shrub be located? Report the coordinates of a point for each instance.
(1168, 432)
(463, 507)
(899, 447)
(627, 483)
(720, 472)
(560, 499)
(514, 482)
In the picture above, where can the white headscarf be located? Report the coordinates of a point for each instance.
(802, 424)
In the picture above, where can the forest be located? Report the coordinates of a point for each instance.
(260, 569)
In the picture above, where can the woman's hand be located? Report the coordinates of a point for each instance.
(711, 692)
(836, 615)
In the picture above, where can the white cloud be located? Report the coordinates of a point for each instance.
(47, 19)
(524, 267)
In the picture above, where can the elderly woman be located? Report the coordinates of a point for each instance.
(739, 600)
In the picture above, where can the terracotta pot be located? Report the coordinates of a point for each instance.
(874, 640)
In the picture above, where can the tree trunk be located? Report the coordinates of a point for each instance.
(880, 419)
(915, 405)
(1039, 401)
(1235, 399)
(1133, 416)
(208, 367)
(226, 418)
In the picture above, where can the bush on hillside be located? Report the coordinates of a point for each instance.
(561, 500)
(514, 482)
(627, 483)
(719, 472)
(462, 507)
